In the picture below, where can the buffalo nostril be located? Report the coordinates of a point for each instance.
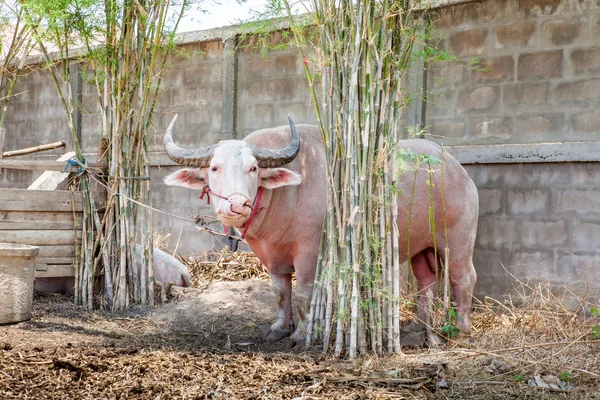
(227, 208)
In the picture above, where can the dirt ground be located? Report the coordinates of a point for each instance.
(206, 345)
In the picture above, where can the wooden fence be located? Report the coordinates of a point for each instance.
(50, 219)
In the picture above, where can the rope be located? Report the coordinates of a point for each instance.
(195, 221)
(74, 162)
(84, 167)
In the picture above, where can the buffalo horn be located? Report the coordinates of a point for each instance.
(272, 158)
(190, 157)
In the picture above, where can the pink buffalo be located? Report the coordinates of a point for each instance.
(284, 229)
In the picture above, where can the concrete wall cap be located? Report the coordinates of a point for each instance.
(18, 250)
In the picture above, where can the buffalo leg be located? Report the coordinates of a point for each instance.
(462, 278)
(423, 266)
(284, 326)
(463, 282)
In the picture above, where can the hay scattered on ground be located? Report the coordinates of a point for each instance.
(225, 266)
(540, 336)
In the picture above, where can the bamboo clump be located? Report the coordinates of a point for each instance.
(134, 57)
(126, 45)
(363, 51)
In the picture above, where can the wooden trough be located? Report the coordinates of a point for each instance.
(50, 219)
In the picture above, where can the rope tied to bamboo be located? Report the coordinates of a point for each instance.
(74, 162)
(197, 220)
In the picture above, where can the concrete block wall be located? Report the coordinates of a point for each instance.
(34, 116)
(536, 78)
(191, 88)
(539, 222)
(524, 92)
(271, 87)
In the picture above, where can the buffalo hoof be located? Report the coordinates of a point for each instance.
(274, 335)
(413, 339)
(421, 339)
(294, 346)
(413, 327)
(464, 325)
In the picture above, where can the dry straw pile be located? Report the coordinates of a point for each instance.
(537, 338)
(225, 266)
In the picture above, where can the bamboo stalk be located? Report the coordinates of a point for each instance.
(396, 268)
(339, 339)
(77, 264)
(317, 298)
(446, 295)
(129, 66)
(329, 284)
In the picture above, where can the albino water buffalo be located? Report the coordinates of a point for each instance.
(167, 270)
(281, 212)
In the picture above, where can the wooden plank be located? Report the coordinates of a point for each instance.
(62, 220)
(10, 204)
(40, 225)
(40, 200)
(56, 271)
(36, 149)
(44, 200)
(32, 216)
(54, 195)
(40, 238)
(57, 251)
(50, 180)
(43, 165)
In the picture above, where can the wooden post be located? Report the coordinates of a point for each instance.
(228, 116)
(29, 150)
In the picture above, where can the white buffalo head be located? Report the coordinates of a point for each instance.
(233, 170)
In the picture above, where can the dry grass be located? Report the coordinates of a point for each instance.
(225, 266)
(67, 352)
(540, 330)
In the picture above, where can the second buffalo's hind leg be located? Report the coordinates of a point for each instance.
(423, 267)
(462, 280)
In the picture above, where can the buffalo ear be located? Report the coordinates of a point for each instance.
(271, 178)
(193, 178)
